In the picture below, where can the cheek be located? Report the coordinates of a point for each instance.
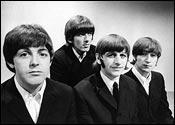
(139, 60)
(108, 62)
(154, 62)
(77, 41)
(21, 66)
(124, 62)
(45, 63)
(89, 37)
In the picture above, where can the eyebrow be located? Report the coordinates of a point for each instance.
(43, 49)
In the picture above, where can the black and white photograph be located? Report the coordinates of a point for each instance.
(87, 62)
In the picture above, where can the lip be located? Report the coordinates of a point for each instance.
(86, 45)
(117, 68)
(147, 65)
(35, 72)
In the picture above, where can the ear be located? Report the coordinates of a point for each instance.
(98, 58)
(70, 42)
(157, 62)
(11, 65)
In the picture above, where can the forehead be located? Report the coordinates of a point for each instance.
(115, 51)
(40, 48)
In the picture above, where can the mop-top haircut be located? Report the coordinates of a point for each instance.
(78, 25)
(25, 36)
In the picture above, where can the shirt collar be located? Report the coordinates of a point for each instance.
(109, 83)
(25, 94)
(80, 58)
(141, 78)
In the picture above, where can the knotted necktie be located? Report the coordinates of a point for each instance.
(116, 92)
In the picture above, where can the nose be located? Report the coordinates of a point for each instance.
(34, 61)
(87, 37)
(117, 60)
(148, 58)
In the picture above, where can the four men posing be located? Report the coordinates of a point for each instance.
(91, 74)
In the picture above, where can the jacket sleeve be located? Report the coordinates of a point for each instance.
(164, 110)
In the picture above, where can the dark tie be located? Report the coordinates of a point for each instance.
(116, 92)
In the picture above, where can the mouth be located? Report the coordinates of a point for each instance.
(117, 68)
(86, 45)
(35, 73)
(147, 66)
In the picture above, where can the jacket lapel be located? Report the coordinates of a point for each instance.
(125, 94)
(16, 104)
(71, 54)
(140, 88)
(153, 89)
(103, 91)
(48, 100)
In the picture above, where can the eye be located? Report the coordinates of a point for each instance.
(43, 54)
(153, 55)
(84, 33)
(123, 55)
(24, 54)
(111, 55)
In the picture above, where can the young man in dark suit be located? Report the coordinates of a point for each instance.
(152, 98)
(98, 102)
(73, 61)
(29, 96)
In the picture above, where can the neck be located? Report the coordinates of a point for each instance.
(79, 52)
(108, 75)
(143, 73)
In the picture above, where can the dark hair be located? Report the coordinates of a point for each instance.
(78, 25)
(146, 45)
(110, 43)
(25, 36)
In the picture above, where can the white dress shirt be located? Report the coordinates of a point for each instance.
(143, 80)
(33, 103)
(109, 83)
(80, 58)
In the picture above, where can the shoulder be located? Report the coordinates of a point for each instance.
(61, 51)
(92, 47)
(128, 81)
(129, 73)
(157, 77)
(7, 84)
(58, 87)
(156, 74)
(85, 84)
(126, 78)
(62, 55)
(8, 90)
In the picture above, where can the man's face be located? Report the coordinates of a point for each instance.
(146, 63)
(32, 65)
(81, 43)
(114, 63)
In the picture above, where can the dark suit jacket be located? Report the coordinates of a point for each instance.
(66, 67)
(95, 103)
(58, 105)
(153, 108)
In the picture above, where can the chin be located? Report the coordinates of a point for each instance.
(86, 49)
(36, 81)
(147, 70)
(116, 74)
